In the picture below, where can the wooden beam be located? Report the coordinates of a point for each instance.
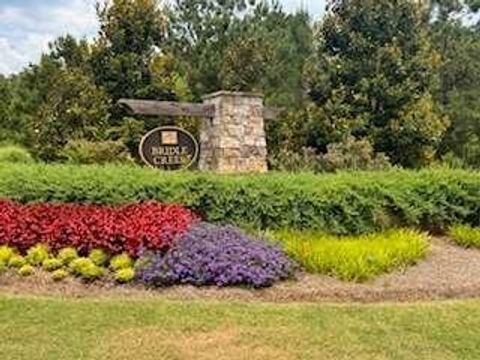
(167, 108)
(171, 108)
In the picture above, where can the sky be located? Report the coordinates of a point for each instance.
(27, 26)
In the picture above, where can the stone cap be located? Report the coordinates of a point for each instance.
(233, 94)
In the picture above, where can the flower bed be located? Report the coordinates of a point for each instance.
(204, 255)
(128, 228)
(221, 256)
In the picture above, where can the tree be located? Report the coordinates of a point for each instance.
(28, 91)
(8, 129)
(459, 46)
(131, 35)
(75, 108)
(241, 45)
(199, 36)
(267, 53)
(372, 76)
(70, 52)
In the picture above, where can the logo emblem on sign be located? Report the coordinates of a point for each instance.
(169, 148)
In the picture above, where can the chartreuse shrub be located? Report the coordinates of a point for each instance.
(26, 270)
(52, 264)
(465, 235)
(37, 254)
(67, 255)
(3, 267)
(17, 261)
(59, 275)
(6, 252)
(122, 261)
(124, 276)
(99, 257)
(356, 258)
(343, 203)
(220, 256)
(86, 269)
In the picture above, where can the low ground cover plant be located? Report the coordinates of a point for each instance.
(344, 203)
(129, 228)
(52, 264)
(67, 255)
(67, 262)
(6, 253)
(26, 270)
(212, 255)
(465, 235)
(354, 258)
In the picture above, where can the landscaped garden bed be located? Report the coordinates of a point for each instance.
(341, 234)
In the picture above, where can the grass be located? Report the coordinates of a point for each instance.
(51, 328)
(356, 258)
(465, 235)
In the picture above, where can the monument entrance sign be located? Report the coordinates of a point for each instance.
(232, 134)
(169, 148)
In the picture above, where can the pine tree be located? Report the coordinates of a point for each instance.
(373, 75)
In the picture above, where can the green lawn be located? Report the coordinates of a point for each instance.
(54, 328)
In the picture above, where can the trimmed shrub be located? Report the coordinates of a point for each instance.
(15, 154)
(356, 258)
(3, 267)
(17, 261)
(124, 276)
(52, 264)
(26, 270)
(465, 235)
(88, 152)
(99, 257)
(37, 254)
(86, 269)
(344, 203)
(59, 275)
(353, 154)
(126, 228)
(67, 255)
(6, 253)
(122, 261)
(221, 256)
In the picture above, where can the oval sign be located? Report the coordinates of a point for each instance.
(169, 148)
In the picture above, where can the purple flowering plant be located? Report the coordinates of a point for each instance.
(214, 255)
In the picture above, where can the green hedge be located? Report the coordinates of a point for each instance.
(346, 203)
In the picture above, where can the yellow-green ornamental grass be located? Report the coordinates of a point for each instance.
(355, 258)
(465, 235)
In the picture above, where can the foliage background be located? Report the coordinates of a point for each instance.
(398, 80)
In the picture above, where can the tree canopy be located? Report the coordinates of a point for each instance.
(400, 78)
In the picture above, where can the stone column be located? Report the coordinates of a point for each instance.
(233, 139)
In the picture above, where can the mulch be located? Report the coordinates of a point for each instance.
(448, 272)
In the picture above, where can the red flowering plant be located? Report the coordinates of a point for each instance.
(128, 228)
